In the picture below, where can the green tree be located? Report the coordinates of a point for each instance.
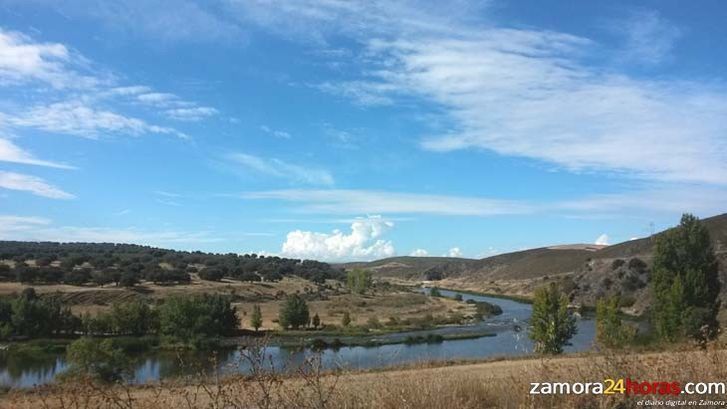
(359, 281)
(97, 359)
(346, 319)
(132, 318)
(685, 282)
(551, 325)
(434, 292)
(316, 321)
(294, 312)
(256, 320)
(611, 332)
(191, 319)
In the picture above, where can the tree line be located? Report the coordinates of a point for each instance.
(178, 319)
(128, 264)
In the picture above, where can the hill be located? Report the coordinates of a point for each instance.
(585, 272)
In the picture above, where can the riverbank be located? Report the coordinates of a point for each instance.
(501, 384)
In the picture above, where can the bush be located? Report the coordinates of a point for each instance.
(616, 264)
(637, 265)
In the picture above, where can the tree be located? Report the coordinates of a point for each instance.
(97, 359)
(611, 332)
(294, 312)
(211, 274)
(132, 318)
(191, 319)
(346, 319)
(685, 282)
(359, 281)
(551, 325)
(316, 321)
(434, 292)
(256, 320)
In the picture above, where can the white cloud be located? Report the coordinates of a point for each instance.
(11, 226)
(454, 252)
(602, 240)
(280, 169)
(275, 132)
(338, 201)
(666, 201)
(158, 20)
(41, 229)
(362, 243)
(23, 60)
(9, 152)
(524, 92)
(80, 119)
(419, 253)
(648, 37)
(31, 184)
(130, 90)
(191, 114)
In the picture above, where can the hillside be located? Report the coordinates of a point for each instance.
(586, 272)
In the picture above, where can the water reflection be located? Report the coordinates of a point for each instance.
(511, 339)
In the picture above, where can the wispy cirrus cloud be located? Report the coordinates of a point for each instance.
(23, 60)
(77, 117)
(10, 152)
(275, 132)
(342, 201)
(281, 169)
(77, 100)
(666, 200)
(14, 227)
(31, 184)
(648, 38)
(524, 92)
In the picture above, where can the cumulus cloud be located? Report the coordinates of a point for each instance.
(31, 184)
(281, 169)
(363, 242)
(419, 253)
(602, 240)
(10, 152)
(454, 252)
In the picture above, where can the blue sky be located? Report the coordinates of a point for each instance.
(344, 130)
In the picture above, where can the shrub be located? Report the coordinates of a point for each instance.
(616, 264)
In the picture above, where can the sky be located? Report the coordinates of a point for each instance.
(356, 130)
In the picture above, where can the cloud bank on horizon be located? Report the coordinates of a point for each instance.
(464, 127)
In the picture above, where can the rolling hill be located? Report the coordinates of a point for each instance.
(586, 272)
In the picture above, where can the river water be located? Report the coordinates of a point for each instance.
(510, 329)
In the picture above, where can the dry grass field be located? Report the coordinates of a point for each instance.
(329, 302)
(497, 384)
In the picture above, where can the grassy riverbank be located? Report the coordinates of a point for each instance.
(496, 384)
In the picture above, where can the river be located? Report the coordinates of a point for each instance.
(510, 329)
